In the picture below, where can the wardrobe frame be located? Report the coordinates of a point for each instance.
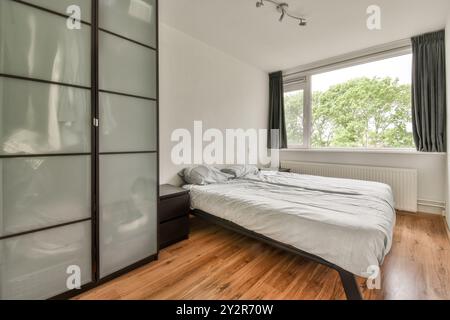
(95, 150)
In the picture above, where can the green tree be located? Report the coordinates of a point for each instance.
(362, 112)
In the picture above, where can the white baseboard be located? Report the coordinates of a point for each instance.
(432, 207)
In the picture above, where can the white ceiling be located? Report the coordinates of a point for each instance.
(335, 27)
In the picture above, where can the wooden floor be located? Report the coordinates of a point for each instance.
(218, 264)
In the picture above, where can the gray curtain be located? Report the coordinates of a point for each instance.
(277, 138)
(429, 92)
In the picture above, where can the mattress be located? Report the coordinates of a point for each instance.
(348, 223)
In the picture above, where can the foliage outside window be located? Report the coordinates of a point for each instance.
(293, 106)
(364, 106)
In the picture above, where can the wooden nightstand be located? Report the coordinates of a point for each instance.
(173, 215)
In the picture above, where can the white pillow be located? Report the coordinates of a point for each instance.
(203, 175)
(240, 171)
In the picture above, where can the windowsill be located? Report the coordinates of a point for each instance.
(370, 151)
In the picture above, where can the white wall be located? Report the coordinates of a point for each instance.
(198, 82)
(447, 40)
(432, 182)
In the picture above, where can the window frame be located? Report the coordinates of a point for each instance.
(302, 84)
(300, 79)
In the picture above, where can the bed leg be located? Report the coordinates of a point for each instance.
(351, 287)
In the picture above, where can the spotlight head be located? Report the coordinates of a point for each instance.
(302, 22)
(259, 4)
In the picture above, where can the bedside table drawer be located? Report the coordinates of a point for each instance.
(173, 208)
(173, 231)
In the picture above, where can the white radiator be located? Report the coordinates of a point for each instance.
(402, 181)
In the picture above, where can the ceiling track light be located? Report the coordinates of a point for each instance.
(282, 7)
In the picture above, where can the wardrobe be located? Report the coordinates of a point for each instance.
(78, 143)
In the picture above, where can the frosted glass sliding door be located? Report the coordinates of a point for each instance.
(128, 133)
(34, 266)
(133, 19)
(61, 6)
(37, 44)
(127, 59)
(39, 192)
(40, 118)
(127, 210)
(128, 124)
(45, 148)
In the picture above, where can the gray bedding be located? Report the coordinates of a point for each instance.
(346, 222)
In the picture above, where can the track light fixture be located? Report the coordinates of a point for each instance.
(282, 15)
(282, 7)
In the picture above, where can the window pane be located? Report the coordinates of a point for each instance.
(41, 192)
(62, 5)
(121, 67)
(128, 124)
(41, 46)
(34, 266)
(128, 204)
(134, 19)
(293, 106)
(364, 106)
(38, 118)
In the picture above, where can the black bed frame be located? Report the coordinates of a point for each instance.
(348, 279)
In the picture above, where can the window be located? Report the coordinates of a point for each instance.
(366, 105)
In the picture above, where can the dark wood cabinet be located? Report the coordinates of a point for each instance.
(173, 215)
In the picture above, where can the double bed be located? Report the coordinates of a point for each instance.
(344, 224)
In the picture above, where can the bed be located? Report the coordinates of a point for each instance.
(344, 224)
